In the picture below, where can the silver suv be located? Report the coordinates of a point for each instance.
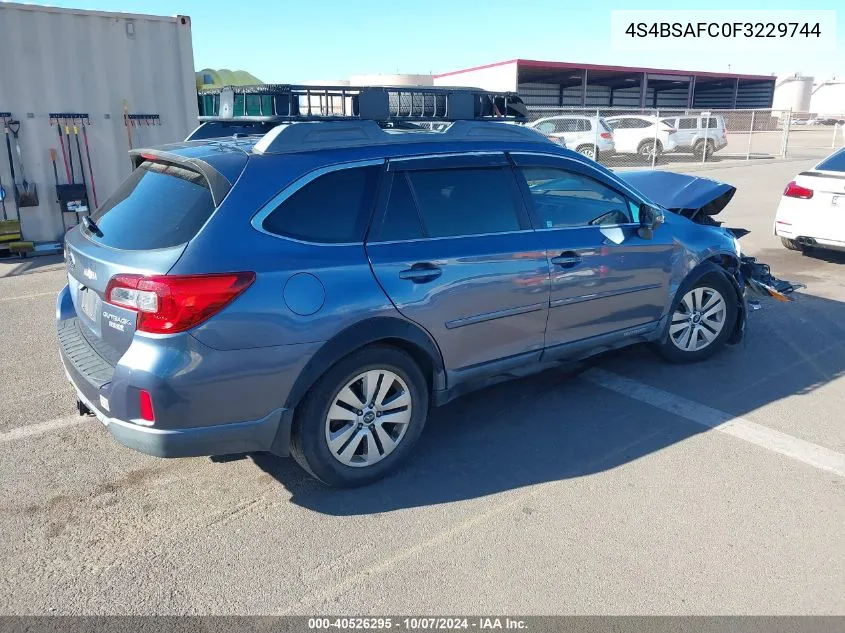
(705, 133)
(583, 134)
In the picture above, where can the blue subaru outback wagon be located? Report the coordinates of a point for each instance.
(314, 280)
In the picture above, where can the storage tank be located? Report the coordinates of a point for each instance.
(828, 100)
(793, 92)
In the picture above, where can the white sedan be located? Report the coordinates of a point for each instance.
(811, 213)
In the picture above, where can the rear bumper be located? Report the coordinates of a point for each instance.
(271, 433)
(214, 412)
(268, 434)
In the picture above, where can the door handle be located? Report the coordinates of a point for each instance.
(567, 259)
(421, 273)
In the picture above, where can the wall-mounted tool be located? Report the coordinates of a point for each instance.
(4, 116)
(56, 176)
(9, 124)
(136, 121)
(90, 166)
(73, 196)
(26, 193)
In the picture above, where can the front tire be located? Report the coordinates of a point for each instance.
(701, 321)
(361, 419)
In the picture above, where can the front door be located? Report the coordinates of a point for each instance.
(453, 248)
(604, 277)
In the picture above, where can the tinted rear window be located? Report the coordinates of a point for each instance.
(331, 209)
(835, 162)
(158, 206)
(456, 202)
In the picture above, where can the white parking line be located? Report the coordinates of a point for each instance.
(770, 439)
(36, 294)
(42, 428)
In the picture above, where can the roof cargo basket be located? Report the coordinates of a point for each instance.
(285, 103)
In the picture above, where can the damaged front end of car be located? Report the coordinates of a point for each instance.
(699, 200)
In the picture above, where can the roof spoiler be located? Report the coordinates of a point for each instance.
(217, 182)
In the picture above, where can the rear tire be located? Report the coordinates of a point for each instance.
(589, 151)
(646, 148)
(366, 446)
(701, 320)
(792, 245)
(700, 147)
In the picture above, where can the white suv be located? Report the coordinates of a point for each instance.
(579, 133)
(643, 135)
(699, 133)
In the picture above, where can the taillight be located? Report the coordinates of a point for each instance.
(174, 303)
(669, 130)
(606, 135)
(794, 190)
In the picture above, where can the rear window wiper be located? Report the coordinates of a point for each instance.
(92, 227)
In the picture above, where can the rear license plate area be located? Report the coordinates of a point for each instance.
(89, 302)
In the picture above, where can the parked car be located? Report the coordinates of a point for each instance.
(698, 134)
(578, 133)
(811, 213)
(316, 289)
(646, 136)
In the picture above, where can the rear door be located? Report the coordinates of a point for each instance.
(452, 247)
(687, 131)
(604, 277)
(625, 135)
(142, 229)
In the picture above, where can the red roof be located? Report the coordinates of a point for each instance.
(533, 63)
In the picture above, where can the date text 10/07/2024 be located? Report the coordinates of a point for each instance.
(723, 29)
(418, 624)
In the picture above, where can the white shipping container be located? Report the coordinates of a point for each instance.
(94, 62)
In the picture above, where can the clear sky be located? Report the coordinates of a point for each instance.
(284, 41)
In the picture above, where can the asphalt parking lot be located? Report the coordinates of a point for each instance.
(627, 487)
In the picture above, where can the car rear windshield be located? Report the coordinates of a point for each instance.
(834, 162)
(158, 206)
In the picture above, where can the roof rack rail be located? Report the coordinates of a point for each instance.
(286, 103)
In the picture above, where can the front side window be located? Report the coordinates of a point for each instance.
(331, 209)
(565, 199)
(455, 202)
(546, 127)
(687, 124)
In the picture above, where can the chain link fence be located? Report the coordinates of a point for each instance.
(625, 138)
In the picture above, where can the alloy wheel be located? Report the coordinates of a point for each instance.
(698, 320)
(368, 418)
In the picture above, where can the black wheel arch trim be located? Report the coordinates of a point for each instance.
(715, 264)
(361, 334)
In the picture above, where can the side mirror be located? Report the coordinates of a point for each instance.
(650, 221)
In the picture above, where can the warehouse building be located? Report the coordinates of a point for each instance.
(564, 84)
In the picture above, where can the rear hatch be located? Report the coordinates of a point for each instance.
(142, 229)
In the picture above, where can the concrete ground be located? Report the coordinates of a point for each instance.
(634, 487)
